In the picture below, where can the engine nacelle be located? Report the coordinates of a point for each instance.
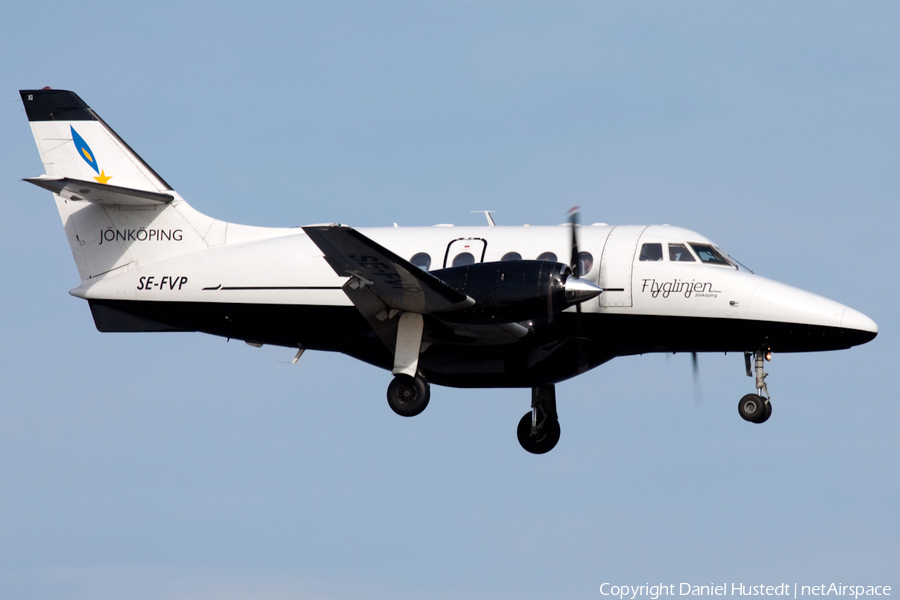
(512, 291)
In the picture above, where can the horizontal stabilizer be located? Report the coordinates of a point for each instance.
(395, 281)
(99, 193)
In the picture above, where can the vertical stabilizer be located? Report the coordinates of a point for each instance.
(118, 213)
(75, 142)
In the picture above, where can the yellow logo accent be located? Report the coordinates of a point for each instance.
(88, 155)
(103, 177)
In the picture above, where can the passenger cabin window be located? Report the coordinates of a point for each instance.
(421, 260)
(680, 253)
(710, 255)
(548, 256)
(585, 263)
(512, 256)
(463, 258)
(651, 252)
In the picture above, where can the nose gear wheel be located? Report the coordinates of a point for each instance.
(757, 408)
(754, 408)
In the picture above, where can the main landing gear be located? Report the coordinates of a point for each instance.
(408, 396)
(754, 407)
(409, 392)
(538, 430)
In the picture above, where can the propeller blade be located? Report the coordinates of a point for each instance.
(698, 392)
(585, 289)
(574, 263)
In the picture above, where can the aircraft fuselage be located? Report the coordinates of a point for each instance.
(279, 290)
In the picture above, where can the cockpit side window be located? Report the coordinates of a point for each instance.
(651, 252)
(710, 255)
(680, 253)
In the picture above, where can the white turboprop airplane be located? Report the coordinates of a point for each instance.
(456, 306)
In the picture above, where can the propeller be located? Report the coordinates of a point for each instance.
(574, 261)
(575, 264)
(698, 392)
(576, 289)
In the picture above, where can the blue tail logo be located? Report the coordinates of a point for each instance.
(84, 151)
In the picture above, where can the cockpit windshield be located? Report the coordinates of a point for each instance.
(709, 255)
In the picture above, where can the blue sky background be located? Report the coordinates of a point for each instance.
(182, 467)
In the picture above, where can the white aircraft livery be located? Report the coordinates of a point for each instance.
(519, 307)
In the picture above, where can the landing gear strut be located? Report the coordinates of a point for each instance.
(538, 430)
(409, 392)
(756, 408)
(408, 396)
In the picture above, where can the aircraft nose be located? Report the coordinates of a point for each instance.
(833, 325)
(774, 301)
(862, 326)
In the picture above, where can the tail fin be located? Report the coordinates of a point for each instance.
(95, 153)
(118, 212)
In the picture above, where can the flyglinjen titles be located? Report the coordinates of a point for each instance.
(654, 592)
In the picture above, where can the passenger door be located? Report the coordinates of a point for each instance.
(464, 251)
(616, 265)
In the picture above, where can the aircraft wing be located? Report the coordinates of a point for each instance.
(395, 281)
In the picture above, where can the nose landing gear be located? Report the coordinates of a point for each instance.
(538, 431)
(757, 408)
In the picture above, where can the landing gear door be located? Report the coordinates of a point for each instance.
(616, 265)
(464, 251)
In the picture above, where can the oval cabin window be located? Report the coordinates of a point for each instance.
(585, 263)
(463, 259)
(421, 260)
